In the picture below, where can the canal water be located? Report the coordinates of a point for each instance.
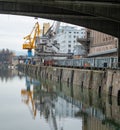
(28, 103)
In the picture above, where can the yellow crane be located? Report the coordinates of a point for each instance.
(31, 38)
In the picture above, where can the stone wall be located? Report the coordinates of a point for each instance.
(113, 82)
(107, 81)
(82, 77)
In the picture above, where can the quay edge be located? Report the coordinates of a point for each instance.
(107, 81)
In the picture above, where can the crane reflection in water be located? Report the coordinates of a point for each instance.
(27, 95)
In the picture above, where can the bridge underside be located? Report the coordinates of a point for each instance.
(101, 15)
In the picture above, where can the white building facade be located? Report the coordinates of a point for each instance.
(67, 38)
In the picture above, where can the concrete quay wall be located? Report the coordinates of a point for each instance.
(107, 81)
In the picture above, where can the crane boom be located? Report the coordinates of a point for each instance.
(31, 38)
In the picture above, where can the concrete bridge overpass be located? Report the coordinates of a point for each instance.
(101, 15)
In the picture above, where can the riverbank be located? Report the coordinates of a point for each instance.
(107, 81)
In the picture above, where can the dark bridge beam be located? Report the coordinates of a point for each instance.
(87, 20)
(103, 9)
(25, 7)
(109, 8)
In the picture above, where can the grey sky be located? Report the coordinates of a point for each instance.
(14, 28)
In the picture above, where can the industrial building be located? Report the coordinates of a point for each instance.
(67, 38)
(102, 44)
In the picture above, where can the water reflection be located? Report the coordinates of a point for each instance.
(71, 107)
(42, 104)
(6, 74)
(9, 74)
(27, 95)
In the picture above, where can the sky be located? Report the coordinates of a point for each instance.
(14, 28)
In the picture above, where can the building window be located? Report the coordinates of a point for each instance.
(43, 40)
(69, 45)
(69, 32)
(69, 41)
(69, 51)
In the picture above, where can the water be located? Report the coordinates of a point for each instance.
(27, 103)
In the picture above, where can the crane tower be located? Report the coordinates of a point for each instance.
(31, 39)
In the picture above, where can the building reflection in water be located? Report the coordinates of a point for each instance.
(65, 106)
